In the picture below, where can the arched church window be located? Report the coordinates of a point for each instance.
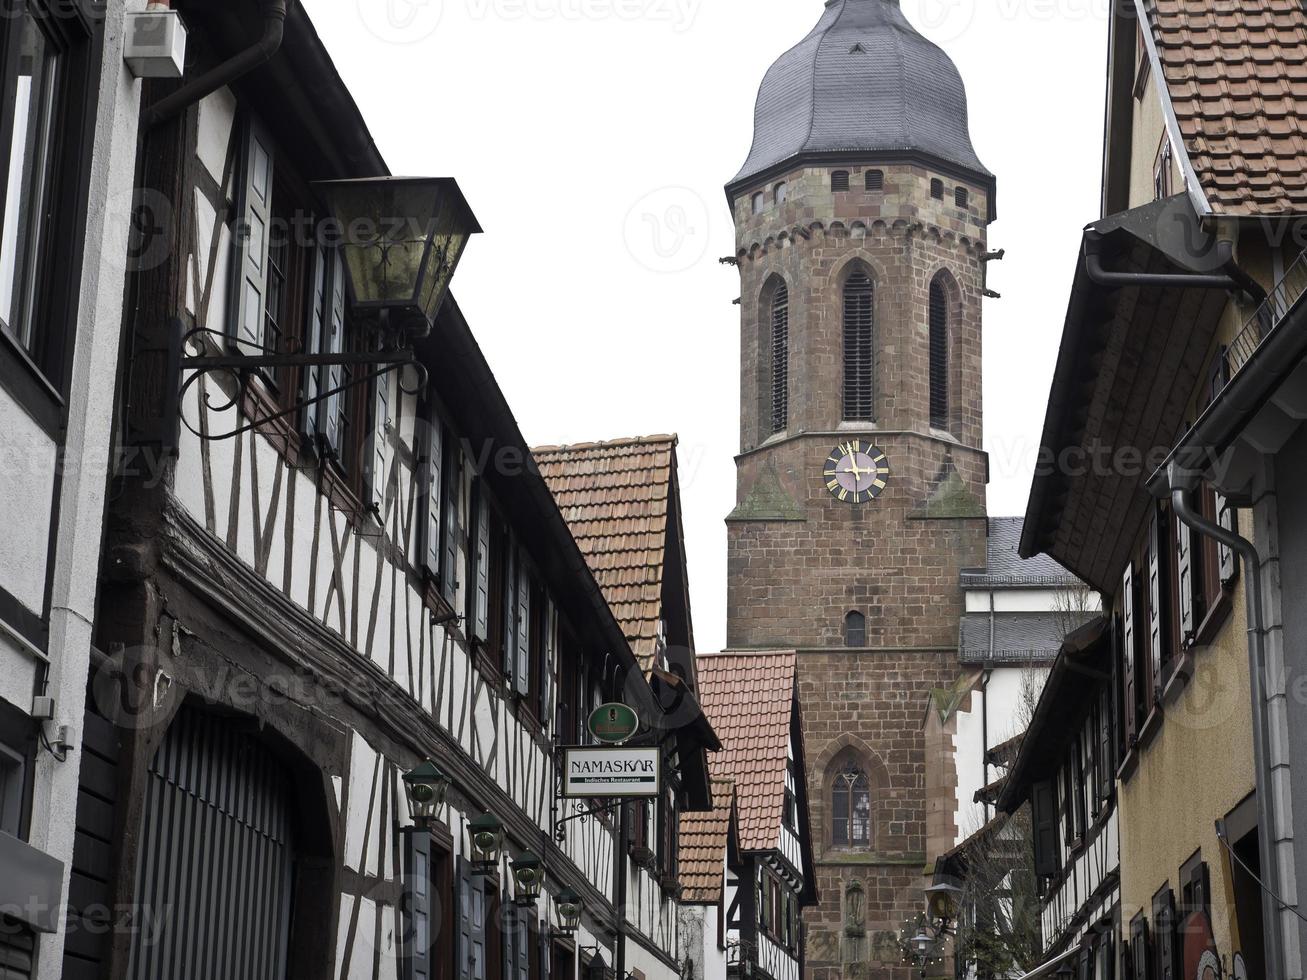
(859, 348)
(855, 629)
(780, 358)
(875, 180)
(937, 189)
(851, 808)
(938, 355)
(756, 202)
(782, 192)
(839, 180)
(960, 197)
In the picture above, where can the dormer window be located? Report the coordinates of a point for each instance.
(839, 181)
(875, 180)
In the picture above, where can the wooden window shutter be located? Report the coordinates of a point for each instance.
(375, 471)
(1106, 764)
(1129, 650)
(1168, 965)
(1201, 887)
(1228, 519)
(1139, 951)
(522, 664)
(432, 467)
(1127, 962)
(252, 236)
(1043, 804)
(453, 474)
(417, 937)
(522, 952)
(479, 559)
(1156, 638)
(467, 952)
(548, 685)
(1185, 573)
(508, 633)
(333, 342)
(314, 414)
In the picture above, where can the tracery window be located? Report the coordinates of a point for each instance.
(851, 808)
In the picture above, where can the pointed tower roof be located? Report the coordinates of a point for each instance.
(864, 83)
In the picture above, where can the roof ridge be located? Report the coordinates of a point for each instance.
(660, 439)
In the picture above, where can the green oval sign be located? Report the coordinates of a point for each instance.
(613, 723)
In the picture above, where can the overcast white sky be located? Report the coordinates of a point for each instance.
(593, 139)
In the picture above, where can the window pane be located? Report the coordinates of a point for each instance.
(30, 88)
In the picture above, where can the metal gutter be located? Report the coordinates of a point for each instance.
(1183, 482)
(274, 27)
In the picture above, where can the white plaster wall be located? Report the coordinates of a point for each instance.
(1024, 600)
(27, 471)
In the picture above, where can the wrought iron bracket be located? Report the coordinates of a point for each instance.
(244, 369)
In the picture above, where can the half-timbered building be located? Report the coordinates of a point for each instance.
(752, 702)
(342, 571)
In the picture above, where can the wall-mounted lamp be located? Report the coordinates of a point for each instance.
(426, 787)
(485, 838)
(568, 906)
(529, 873)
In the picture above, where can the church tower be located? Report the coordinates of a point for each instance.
(861, 217)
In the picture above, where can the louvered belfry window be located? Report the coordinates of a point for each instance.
(938, 355)
(859, 348)
(780, 358)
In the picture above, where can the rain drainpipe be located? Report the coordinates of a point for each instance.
(1182, 483)
(1231, 278)
(274, 26)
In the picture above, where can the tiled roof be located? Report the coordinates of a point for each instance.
(749, 698)
(615, 497)
(1236, 71)
(1004, 566)
(702, 853)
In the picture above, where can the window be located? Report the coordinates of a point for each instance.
(780, 358)
(1162, 171)
(31, 72)
(937, 189)
(859, 351)
(13, 768)
(855, 629)
(756, 203)
(839, 181)
(47, 92)
(791, 814)
(960, 197)
(939, 407)
(781, 192)
(874, 180)
(851, 808)
(429, 908)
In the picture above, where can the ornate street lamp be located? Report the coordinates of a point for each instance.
(401, 239)
(568, 906)
(943, 899)
(529, 873)
(425, 786)
(485, 837)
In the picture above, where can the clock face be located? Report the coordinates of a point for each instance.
(855, 472)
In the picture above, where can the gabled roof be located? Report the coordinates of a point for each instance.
(749, 698)
(701, 857)
(1236, 75)
(616, 497)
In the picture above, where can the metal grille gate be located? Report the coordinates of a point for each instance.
(215, 866)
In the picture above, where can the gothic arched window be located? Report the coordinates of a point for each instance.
(859, 348)
(779, 337)
(851, 808)
(855, 629)
(938, 355)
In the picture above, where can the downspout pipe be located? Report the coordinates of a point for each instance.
(274, 28)
(1233, 279)
(1183, 482)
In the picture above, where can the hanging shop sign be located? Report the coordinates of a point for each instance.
(613, 723)
(602, 773)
